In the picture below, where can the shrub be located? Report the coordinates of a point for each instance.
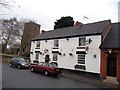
(26, 54)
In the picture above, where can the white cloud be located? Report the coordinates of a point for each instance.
(45, 12)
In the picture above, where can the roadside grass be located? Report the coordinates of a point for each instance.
(6, 57)
(9, 55)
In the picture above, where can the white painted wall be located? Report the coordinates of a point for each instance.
(70, 46)
(32, 50)
(46, 45)
(93, 64)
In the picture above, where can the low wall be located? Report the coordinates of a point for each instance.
(6, 58)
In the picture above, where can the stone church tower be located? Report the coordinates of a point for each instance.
(31, 30)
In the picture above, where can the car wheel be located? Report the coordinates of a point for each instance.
(19, 66)
(10, 65)
(32, 69)
(46, 73)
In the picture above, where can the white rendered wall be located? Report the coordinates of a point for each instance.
(70, 46)
(93, 64)
(46, 45)
(66, 47)
(32, 50)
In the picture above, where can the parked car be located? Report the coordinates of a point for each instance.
(46, 68)
(34, 62)
(19, 62)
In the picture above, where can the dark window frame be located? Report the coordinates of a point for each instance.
(81, 59)
(82, 41)
(56, 43)
(37, 44)
(55, 56)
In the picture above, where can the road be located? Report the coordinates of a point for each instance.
(15, 78)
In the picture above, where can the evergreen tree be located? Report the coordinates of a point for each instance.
(64, 22)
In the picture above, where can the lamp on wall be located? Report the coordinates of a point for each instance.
(109, 51)
(70, 54)
(67, 39)
(31, 52)
(40, 52)
(89, 40)
(60, 53)
(45, 40)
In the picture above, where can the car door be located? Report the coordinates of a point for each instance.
(42, 67)
(15, 62)
(12, 61)
(37, 67)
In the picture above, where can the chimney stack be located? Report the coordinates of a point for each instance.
(78, 24)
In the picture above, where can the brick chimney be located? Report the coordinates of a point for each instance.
(78, 24)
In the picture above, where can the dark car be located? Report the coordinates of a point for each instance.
(19, 62)
(46, 68)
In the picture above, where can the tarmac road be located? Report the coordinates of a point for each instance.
(15, 78)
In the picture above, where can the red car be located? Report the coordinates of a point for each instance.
(46, 68)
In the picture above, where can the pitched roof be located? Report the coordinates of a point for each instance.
(85, 30)
(112, 40)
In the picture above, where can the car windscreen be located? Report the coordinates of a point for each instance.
(47, 64)
(21, 60)
(52, 65)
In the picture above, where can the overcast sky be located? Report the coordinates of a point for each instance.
(45, 12)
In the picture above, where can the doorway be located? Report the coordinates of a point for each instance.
(47, 58)
(111, 64)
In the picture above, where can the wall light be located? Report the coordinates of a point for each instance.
(67, 39)
(109, 51)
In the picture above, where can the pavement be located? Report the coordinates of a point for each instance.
(99, 83)
(84, 79)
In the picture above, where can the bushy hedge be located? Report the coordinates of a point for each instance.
(26, 54)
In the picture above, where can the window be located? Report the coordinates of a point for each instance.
(38, 44)
(37, 56)
(56, 43)
(41, 63)
(81, 58)
(55, 56)
(82, 41)
(44, 64)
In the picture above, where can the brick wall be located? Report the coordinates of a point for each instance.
(118, 66)
(31, 30)
(103, 65)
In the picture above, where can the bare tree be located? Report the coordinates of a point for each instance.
(12, 31)
(6, 5)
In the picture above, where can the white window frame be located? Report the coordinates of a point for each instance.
(56, 43)
(82, 41)
(81, 59)
(55, 56)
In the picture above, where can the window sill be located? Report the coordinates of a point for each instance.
(77, 66)
(37, 48)
(55, 48)
(81, 47)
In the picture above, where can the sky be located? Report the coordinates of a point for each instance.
(46, 12)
